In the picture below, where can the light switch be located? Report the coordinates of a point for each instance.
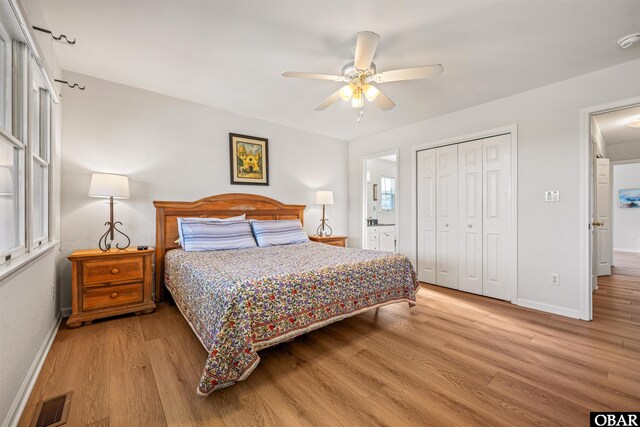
(552, 196)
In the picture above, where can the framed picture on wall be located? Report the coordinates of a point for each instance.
(249, 159)
(630, 198)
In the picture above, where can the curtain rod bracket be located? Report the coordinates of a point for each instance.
(58, 38)
(71, 85)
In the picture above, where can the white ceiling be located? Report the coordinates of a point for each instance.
(614, 127)
(230, 54)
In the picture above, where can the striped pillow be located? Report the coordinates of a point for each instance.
(203, 235)
(281, 232)
(198, 219)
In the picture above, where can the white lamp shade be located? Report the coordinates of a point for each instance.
(109, 185)
(324, 198)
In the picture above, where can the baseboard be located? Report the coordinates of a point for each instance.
(12, 418)
(549, 308)
(631, 251)
(66, 312)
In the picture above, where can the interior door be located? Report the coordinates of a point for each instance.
(470, 216)
(426, 168)
(603, 216)
(592, 210)
(447, 216)
(497, 216)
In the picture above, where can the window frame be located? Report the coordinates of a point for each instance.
(31, 133)
(35, 83)
(6, 80)
(21, 248)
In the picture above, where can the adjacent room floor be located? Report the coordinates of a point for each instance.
(454, 359)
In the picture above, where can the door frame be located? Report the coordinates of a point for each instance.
(483, 134)
(363, 193)
(586, 184)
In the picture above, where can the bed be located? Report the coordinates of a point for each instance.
(243, 300)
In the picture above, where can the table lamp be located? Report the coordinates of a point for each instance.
(111, 186)
(324, 198)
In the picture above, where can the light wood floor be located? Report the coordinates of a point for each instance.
(455, 359)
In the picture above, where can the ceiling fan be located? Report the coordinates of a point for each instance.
(361, 73)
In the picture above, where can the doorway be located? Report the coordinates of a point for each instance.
(380, 207)
(613, 245)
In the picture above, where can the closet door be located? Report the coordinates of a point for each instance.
(470, 217)
(426, 168)
(447, 216)
(497, 216)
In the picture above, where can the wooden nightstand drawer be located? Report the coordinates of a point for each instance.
(106, 271)
(111, 296)
(335, 243)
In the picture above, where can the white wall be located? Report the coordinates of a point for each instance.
(177, 150)
(28, 314)
(377, 168)
(624, 150)
(626, 221)
(28, 311)
(548, 121)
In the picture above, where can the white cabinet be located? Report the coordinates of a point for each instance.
(381, 238)
(387, 239)
(464, 204)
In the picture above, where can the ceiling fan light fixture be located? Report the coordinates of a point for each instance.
(370, 92)
(634, 124)
(358, 100)
(346, 92)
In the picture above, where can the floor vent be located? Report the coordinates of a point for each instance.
(52, 412)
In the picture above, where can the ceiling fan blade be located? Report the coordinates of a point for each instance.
(317, 76)
(329, 101)
(383, 102)
(366, 45)
(414, 73)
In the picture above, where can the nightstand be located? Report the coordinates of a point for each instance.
(110, 283)
(331, 240)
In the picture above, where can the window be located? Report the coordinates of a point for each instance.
(387, 193)
(12, 241)
(25, 144)
(40, 168)
(39, 137)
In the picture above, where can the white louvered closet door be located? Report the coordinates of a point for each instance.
(470, 216)
(497, 216)
(447, 216)
(426, 167)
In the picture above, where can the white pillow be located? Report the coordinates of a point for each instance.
(191, 219)
(278, 232)
(201, 235)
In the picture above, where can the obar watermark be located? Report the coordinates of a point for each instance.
(615, 419)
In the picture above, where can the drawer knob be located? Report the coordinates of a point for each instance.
(115, 271)
(114, 295)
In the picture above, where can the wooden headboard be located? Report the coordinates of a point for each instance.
(220, 206)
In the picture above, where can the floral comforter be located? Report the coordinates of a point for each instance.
(241, 301)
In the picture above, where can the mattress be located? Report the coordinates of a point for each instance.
(243, 300)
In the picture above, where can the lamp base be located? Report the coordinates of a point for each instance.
(322, 229)
(106, 240)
